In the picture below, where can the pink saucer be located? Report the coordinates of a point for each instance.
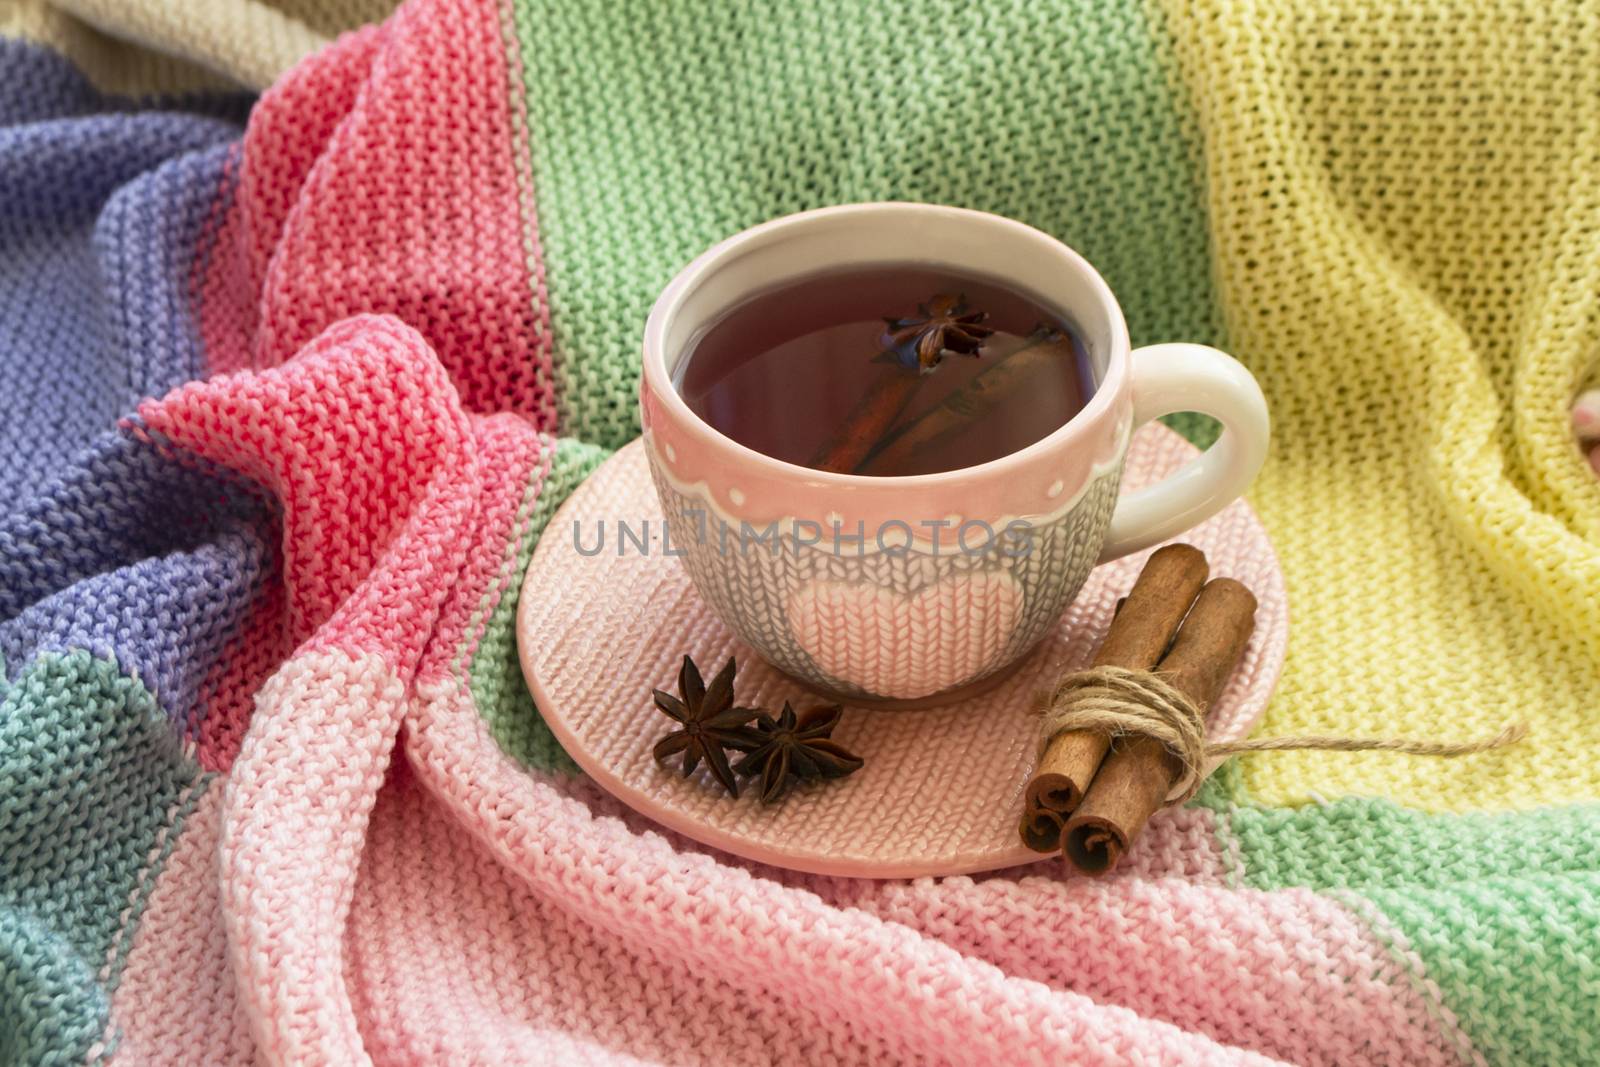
(940, 792)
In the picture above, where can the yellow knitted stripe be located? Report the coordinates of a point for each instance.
(1406, 219)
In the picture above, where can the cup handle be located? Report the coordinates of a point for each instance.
(1188, 377)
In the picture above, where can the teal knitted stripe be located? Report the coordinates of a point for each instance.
(1499, 907)
(91, 765)
(658, 129)
(52, 1007)
(495, 673)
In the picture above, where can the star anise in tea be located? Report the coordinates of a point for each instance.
(943, 324)
(708, 723)
(795, 748)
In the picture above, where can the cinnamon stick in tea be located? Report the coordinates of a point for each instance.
(868, 421)
(1136, 777)
(1137, 639)
(918, 344)
(976, 399)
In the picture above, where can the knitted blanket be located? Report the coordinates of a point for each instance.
(293, 385)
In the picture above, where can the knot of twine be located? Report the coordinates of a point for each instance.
(1124, 703)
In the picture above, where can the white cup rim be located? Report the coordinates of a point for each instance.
(658, 378)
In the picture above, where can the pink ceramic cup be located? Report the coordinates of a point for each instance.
(918, 589)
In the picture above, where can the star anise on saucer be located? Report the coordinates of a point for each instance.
(943, 324)
(794, 748)
(708, 723)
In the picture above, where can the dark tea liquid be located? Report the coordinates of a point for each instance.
(785, 371)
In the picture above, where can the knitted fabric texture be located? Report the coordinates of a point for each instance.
(294, 390)
(143, 46)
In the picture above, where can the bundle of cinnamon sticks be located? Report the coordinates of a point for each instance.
(1092, 794)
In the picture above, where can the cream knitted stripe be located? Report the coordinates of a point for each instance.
(245, 41)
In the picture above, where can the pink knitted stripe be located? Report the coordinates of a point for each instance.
(297, 808)
(291, 127)
(1204, 957)
(414, 207)
(499, 975)
(1148, 940)
(855, 980)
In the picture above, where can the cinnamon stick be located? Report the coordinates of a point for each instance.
(1139, 634)
(1041, 829)
(1140, 772)
(979, 397)
(868, 421)
(918, 344)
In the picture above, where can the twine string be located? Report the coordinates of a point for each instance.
(1125, 703)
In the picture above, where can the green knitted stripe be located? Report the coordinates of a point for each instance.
(658, 129)
(92, 766)
(1360, 843)
(495, 673)
(1514, 958)
(1500, 908)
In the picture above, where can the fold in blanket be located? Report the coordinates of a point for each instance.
(295, 386)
